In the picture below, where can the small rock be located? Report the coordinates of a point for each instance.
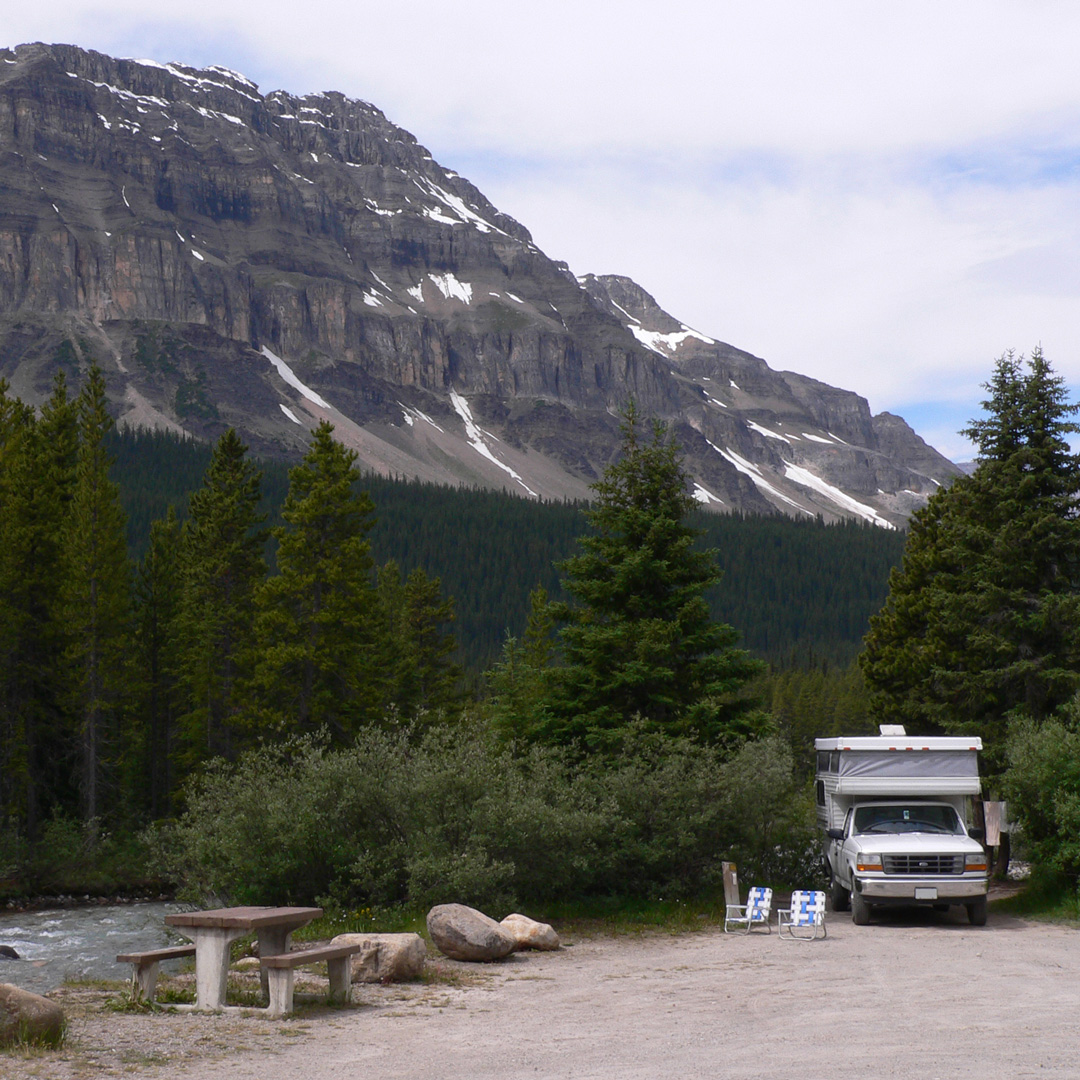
(8, 952)
(247, 963)
(26, 1017)
(385, 958)
(530, 934)
(463, 933)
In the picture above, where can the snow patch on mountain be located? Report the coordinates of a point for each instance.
(475, 435)
(807, 479)
(766, 432)
(663, 344)
(748, 468)
(289, 376)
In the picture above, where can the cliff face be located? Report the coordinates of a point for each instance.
(263, 261)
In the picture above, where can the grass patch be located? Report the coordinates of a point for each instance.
(366, 920)
(618, 916)
(1047, 896)
(29, 1043)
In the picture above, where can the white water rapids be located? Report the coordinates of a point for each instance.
(80, 942)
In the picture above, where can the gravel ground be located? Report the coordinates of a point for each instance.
(915, 995)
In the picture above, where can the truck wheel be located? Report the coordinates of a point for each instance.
(860, 909)
(839, 897)
(977, 912)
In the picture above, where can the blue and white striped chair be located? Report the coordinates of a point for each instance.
(755, 912)
(805, 917)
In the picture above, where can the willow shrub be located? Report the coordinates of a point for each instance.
(450, 814)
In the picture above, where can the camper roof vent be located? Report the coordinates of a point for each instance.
(891, 729)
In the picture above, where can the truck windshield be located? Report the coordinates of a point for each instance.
(901, 818)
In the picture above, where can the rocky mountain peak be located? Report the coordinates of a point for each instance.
(267, 260)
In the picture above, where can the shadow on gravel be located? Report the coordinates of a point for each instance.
(907, 918)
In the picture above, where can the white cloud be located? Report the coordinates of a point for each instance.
(880, 196)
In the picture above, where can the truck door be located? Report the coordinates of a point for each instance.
(836, 853)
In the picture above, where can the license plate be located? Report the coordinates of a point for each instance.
(926, 894)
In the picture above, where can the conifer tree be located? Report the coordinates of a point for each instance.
(422, 676)
(983, 615)
(316, 626)
(96, 601)
(222, 565)
(638, 639)
(518, 684)
(37, 464)
(157, 595)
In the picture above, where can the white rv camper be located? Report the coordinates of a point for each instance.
(894, 809)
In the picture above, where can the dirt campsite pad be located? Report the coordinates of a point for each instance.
(915, 995)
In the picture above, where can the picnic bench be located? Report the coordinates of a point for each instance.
(145, 965)
(279, 970)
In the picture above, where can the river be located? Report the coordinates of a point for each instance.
(81, 942)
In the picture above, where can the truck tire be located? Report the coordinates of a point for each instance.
(839, 897)
(977, 912)
(860, 909)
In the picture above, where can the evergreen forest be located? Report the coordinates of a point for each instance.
(800, 592)
(175, 614)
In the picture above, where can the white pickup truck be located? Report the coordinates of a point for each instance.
(893, 809)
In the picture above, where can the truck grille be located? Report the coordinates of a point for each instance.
(923, 864)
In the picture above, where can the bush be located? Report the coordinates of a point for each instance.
(1042, 784)
(449, 813)
(70, 857)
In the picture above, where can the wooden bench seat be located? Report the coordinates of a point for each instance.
(144, 972)
(279, 970)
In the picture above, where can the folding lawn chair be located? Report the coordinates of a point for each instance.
(755, 912)
(805, 917)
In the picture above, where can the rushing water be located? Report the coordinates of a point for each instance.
(80, 942)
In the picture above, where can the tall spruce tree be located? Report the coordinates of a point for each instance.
(157, 596)
(638, 640)
(421, 674)
(222, 565)
(316, 626)
(37, 470)
(96, 603)
(983, 615)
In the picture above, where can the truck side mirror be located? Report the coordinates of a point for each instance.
(835, 834)
(977, 834)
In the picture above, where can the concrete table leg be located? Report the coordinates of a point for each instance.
(273, 941)
(212, 966)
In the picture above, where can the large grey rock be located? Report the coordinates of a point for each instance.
(530, 934)
(463, 933)
(385, 958)
(26, 1017)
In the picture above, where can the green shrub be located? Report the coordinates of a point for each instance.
(450, 813)
(1042, 785)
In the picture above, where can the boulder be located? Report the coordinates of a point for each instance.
(8, 953)
(463, 933)
(530, 934)
(26, 1017)
(385, 958)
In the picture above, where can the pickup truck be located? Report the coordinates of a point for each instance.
(905, 852)
(893, 809)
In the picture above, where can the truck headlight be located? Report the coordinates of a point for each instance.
(868, 862)
(975, 861)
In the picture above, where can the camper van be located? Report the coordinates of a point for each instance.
(894, 809)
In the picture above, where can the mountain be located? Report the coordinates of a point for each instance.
(265, 261)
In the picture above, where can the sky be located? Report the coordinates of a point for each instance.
(883, 196)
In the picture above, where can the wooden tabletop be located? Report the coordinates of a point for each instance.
(245, 918)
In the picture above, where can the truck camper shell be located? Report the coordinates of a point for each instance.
(866, 766)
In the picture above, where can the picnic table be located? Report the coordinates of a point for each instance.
(213, 931)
